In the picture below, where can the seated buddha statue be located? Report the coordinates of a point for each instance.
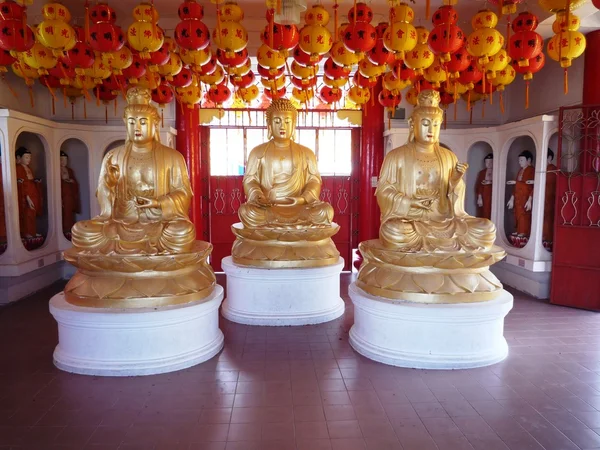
(144, 192)
(141, 250)
(425, 230)
(283, 186)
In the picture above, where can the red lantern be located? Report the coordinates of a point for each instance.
(304, 59)
(279, 94)
(284, 37)
(360, 13)
(380, 55)
(190, 9)
(102, 13)
(332, 70)
(446, 39)
(163, 94)
(270, 74)
(219, 94)
(210, 67)
(388, 100)
(471, 75)
(596, 3)
(136, 70)
(160, 57)
(6, 59)
(525, 44)
(458, 63)
(445, 15)
(304, 84)
(115, 83)
(51, 82)
(183, 79)
(11, 10)
(192, 34)
(15, 35)
(244, 81)
(330, 95)
(399, 70)
(106, 37)
(63, 72)
(235, 60)
(364, 82)
(535, 65)
(360, 37)
(81, 56)
(104, 94)
(446, 99)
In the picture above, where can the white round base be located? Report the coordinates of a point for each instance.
(141, 341)
(280, 297)
(429, 336)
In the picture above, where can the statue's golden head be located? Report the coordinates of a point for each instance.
(281, 119)
(141, 117)
(426, 118)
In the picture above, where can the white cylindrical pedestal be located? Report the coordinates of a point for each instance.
(277, 297)
(429, 336)
(141, 341)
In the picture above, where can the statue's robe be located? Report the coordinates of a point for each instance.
(302, 180)
(69, 192)
(446, 226)
(28, 187)
(122, 226)
(485, 190)
(549, 203)
(522, 193)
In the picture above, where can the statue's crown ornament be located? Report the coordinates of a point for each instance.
(429, 98)
(139, 96)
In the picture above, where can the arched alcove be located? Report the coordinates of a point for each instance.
(3, 235)
(520, 173)
(32, 189)
(550, 192)
(75, 186)
(477, 183)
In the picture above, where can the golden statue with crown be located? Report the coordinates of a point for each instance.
(429, 249)
(141, 250)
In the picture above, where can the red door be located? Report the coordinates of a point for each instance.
(576, 252)
(226, 194)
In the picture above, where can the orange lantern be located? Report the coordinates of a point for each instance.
(485, 40)
(269, 58)
(315, 38)
(567, 45)
(274, 84)
(99, 70)
(22, 70)
(342, 56)
(400, 36)
(304, 73)
(334, 82)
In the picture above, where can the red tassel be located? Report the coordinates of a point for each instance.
(501, 103)
(85, 108)
(53, 106)
(73, 110)
(272, 28)
(566, 81)
(31, 100)
(116, 100)
(427, 9)
(106, 113)
(335, 20)
(527, 94)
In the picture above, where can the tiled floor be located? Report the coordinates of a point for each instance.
(305, 389)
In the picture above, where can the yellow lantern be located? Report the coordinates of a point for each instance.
(561, 24)
(400, 38)
(497, 62)
(316, 15)
(119, 60)
(369, 70)
(231, 11)
(302, 95)
(249, 94)
(393, 84)
(22, 70)
(304, 73)
(504, 77)
(83, 82)
(240, 71)
(566, 46)
(99, 70)
(145, 37)
(334, 83)
(230, 37)
(419, 58)
(172, 67)
(359, 95)
(554, 6)
(411, 96)
(422, 35)
(485, 40)
(457, 88)
(145, 12)
(40, 58)
(195, 58)
(214, 78)
(315, 40)
(269, 58)
(54, 32)
(402, 13)
(151, 80)
(190, 95)
(275, 84)
(342, 56)
(436, 73)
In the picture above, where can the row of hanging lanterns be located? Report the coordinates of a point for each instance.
(106, 59)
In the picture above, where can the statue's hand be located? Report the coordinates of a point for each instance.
(421, 203)
(262, 200)
(459, 170)
(293, 201)
(144, 202)
(511, 203)
(528, 204)
(511, 182)
(480, 201)
(30, 203)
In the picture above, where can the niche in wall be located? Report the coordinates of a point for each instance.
(3, 238)
(520, 174)
(32, 190)
(550, 193)
(75, 186)
(479, 180)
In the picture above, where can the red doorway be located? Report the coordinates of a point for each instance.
(337, 149)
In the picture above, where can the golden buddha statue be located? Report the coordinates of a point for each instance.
(283, 223)
(141, 250)
(429, 249)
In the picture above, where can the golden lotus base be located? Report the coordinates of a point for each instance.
(139, 281)
(284, 248)
(442, 277)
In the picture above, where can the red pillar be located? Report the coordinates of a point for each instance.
(371, 157)
(591, 87)
(187, 122)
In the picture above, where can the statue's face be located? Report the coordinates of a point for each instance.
(282, 125)
(140, 128)
(427, 130)
(550, 159)
(489, 163)
(523, 162)
(64, 161)
(26, 159)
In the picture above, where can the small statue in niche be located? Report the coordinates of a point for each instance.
(483, 188)
(30, 195)
(69, 191)
(2, 217)
(549, 202)
(522, 199)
